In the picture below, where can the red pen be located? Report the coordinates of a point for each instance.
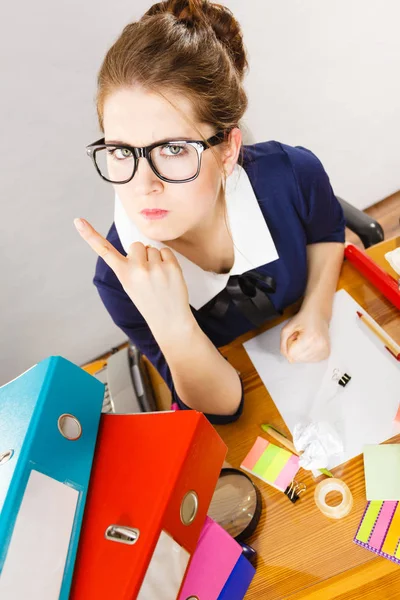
(390, 345)
(384, 282)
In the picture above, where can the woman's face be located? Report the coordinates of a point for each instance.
(140, 118)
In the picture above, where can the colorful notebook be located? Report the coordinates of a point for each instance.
(379, 530)
(272, 464)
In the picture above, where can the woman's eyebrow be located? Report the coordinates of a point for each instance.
(175, 138)
(116, 142)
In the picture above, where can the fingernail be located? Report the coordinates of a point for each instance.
(79, 224)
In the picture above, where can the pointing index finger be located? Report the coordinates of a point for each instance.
(100, 245)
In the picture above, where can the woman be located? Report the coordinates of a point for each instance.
(210, 238)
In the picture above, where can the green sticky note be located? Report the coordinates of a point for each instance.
(276, 466)
(265, 459)
(382, 472)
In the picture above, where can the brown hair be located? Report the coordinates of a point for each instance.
(189, 47)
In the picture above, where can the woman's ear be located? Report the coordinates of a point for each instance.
(231, 150)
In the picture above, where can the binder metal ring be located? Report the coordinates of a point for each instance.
(69, 427)
(5, 456)
(189, 507)
(122, 534)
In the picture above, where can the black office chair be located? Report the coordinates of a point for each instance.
(368, 230)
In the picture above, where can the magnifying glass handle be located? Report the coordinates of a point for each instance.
(248, 551)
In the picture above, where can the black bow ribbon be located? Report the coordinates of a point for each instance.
(249, 292)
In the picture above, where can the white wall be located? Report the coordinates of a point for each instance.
(326, 75)
(323, 74)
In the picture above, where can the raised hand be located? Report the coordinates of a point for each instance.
(152, 279)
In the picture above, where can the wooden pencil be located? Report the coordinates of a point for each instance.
(382, 335)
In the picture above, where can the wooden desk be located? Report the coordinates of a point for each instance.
(301, 553)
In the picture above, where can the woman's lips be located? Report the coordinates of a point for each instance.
(153, 214)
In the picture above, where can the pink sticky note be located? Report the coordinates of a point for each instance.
(213, 561)
(256, 451)
(288, 472)
(381, 525)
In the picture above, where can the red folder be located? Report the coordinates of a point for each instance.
(384, 282)
(152, 473)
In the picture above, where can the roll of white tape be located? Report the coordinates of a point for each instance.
(333, 485)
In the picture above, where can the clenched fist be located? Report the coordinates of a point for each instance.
(305, 338)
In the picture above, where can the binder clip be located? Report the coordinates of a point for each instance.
(342, 379)
(294, 490)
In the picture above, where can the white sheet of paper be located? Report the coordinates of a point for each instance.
(35, 561)
(363, 412)
(166, 570)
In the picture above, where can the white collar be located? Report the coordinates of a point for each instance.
(253, 244)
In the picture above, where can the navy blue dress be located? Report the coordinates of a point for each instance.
(300, 208)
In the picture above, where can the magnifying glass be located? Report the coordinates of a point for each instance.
(236, 506)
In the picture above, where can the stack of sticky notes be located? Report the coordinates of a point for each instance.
(272, 464)
(379, 530)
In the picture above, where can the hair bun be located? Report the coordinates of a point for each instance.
(198, 13)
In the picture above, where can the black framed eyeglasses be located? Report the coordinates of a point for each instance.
(173, 161)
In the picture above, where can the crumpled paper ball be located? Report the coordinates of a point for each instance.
(318, 442)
